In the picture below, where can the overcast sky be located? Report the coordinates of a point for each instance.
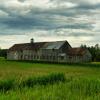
(77, 21)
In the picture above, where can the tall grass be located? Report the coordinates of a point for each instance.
(7, 84)
(75, 89)
(44, 80)
(87, 87)
(52, 78)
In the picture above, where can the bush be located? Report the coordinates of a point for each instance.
(8, 84)
(43, 80)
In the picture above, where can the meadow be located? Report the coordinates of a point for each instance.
(45, 81)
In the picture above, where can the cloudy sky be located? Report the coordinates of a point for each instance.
(77, 21)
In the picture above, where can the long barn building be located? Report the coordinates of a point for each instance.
(56, 51)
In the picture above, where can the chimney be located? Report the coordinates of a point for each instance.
(32, 40)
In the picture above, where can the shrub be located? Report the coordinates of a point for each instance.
(6, 85)
(43, 80)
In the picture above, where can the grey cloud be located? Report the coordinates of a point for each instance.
(21, 0)
(63, 33)
(78, 1)
(40, 19)
(80, 34)
(81, 4)
(77, 26)
(87, 7)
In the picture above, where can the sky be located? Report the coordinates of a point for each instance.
(77, 21)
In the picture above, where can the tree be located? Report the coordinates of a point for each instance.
(94, 50)
(3, 53)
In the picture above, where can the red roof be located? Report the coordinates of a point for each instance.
(27, 46)
(37, 46)
(76, 51)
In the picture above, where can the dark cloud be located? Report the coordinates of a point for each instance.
(87, 7)
(77, 26)
(42, 23)
(27, 19)
(77, 1)
(21, 0)
(44, 19)
(80, 34)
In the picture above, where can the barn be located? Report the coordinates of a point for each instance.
(55, 51)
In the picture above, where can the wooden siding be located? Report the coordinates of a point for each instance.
(55, 54)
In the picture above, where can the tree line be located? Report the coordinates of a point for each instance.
(94, 50)
(3, 53)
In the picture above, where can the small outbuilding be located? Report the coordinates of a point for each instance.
(79, 55)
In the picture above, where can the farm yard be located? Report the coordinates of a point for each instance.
(45, 81)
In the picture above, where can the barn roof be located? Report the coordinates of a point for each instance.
(76, 51)
(37, 45)
(53, 45)
(27, 46)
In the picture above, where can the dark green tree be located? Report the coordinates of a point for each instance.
(3, 53)
(94, 50)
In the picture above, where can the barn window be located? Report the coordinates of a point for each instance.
(43, 57)
(53, 49)
(53, 57)
(37, 57)
(50, 57)
(70, 57)
(31, 56)
(62, 57)
(21, 51)
(34, 57)
(47, 57)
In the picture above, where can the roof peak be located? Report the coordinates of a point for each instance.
(43, 42)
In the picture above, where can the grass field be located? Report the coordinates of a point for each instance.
(82, 81)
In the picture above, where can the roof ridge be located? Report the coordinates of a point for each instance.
(42, 42)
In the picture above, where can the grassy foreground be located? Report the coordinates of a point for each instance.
(76, 81)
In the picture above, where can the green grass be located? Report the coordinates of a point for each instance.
(81, 89)
(13, 84)
(40, 81)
